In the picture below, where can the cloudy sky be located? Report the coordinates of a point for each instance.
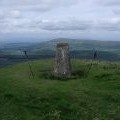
(47, 19)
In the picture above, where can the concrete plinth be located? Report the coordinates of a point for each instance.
(62, 61)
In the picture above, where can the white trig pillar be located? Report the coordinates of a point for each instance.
(62, 61)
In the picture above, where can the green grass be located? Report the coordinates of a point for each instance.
(93, 97)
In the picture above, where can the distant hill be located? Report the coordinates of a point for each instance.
(80, 49)
(75, 44)
(107, 50)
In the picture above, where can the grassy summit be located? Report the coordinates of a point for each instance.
(93, 97)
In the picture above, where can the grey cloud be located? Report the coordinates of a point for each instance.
(67, 25)
(14, 16)
(111, 27)
(109, 24)
(10, 25)
(103, 25)
(35, 8)
(21, 25)
(36, 2)
(109, 2)
(41, 5)
(116, 11)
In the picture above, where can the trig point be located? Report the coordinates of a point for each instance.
(62, 61)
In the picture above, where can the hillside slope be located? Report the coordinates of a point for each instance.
(93, 97)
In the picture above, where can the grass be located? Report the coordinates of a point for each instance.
(93, 97)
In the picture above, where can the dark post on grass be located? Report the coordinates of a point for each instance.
(62, 61)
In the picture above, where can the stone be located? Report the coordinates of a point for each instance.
(62, 61)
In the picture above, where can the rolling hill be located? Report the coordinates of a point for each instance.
(80, 49)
